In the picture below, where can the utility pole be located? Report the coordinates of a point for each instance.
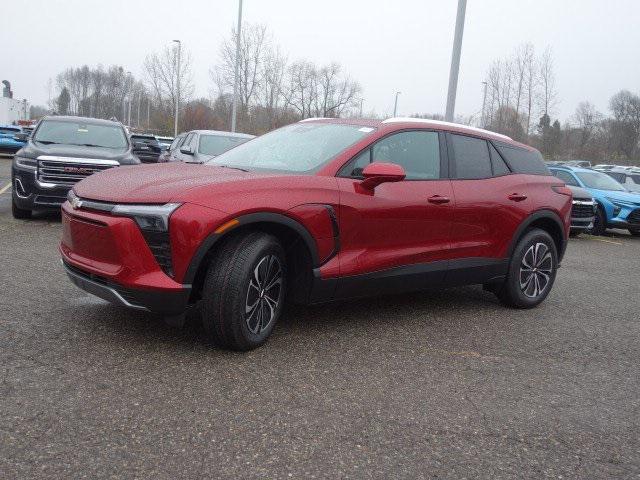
(361, 103)
(139, 100)
(395, 105)
(175, 124)
(148, 111)
(484, 104)
(455, 61)
(236, 78)
(129, 116)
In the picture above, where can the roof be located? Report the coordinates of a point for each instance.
(440, 123)
(221, 133)
(434, 124)
(86, 120)
(571, 168)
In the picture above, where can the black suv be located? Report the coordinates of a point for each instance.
(60, 152)
(146, 147)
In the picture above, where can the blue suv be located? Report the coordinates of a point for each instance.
(617, 207)
(9, 144)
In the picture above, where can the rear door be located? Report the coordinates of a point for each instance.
(490, 204)
(396, 238)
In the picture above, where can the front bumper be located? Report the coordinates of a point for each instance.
(29, 195)
(160, 302)
(109, 257)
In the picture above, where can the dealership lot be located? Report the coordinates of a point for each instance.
(438, 384)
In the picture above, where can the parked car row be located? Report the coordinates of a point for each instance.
(199, 146)
(63, 150)
(616, 207)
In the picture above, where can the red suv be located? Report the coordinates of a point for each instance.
(320, 210)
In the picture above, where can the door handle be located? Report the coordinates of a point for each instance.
(517, 197)
(438, 200)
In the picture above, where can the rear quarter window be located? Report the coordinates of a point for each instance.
(521, 160)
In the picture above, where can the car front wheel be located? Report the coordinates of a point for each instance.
(532, 271)
(244, 291)
(599, 223)
(19, 213)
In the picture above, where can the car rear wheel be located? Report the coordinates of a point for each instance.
(19, 213)
(244, 291)
(599, 223)
(532, 271)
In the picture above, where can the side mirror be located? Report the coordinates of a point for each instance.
(186, 150)
(21, 137)
(379, 172)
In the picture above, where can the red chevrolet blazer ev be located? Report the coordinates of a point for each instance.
(320, 210)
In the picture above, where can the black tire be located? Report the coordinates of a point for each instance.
(19, 213)
(635, 232)
(513, 293)
(599, 223)
(231, 285)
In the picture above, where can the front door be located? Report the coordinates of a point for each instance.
(396, 237)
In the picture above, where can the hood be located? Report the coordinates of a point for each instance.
(627, 197)
(156, 183)
(580, 193)
(35, 149)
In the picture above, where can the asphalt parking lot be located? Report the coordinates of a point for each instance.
(442, 384)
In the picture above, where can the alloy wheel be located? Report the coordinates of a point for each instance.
(535, 270)
(263, 294)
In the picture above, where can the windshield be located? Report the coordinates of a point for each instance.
(599, 181)
(218, 144)
(301, 147)
(78, 133)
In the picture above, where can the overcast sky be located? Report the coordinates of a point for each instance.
(387, 46)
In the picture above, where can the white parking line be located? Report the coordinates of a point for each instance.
(5, 188)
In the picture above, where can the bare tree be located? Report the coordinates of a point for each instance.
(587, 119)
(548, 94)
(161, 73)
(253, 43)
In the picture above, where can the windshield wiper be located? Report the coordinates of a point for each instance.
(235, 168)
(47, 142)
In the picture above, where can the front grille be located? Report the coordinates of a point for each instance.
(68, 171)
(581, 211)
(634, 217)
(160, 246)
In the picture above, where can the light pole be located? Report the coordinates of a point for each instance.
(395, 104)
(175, 123)
(455, 61)
(484, 104)
(236, 77)
(129, 94)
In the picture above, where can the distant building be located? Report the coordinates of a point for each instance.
(11, 109)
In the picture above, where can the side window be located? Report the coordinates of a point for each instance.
(471, 157)
(521, 160)
(356, 165)
(417, 152)
(618, 177)
(499, 167)
(187, 140)
(566, 177)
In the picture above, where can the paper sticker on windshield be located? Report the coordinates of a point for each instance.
(365, 129)
(82, 129)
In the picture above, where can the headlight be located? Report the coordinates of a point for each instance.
(24, 162)
(148, 217)
(622, 203)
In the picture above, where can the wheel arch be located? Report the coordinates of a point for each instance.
(548, 221)
(300, 248)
